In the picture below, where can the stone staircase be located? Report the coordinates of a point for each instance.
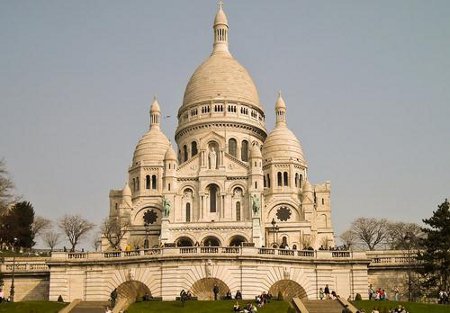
(90, 307)
(323, 306)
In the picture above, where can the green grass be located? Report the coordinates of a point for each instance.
(225, 306)
(31, 307)
(411, 307)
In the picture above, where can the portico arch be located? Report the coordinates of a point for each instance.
(289, 289)
(184, 242)
(211, 241)
(203, 288)
(132, 290)
(237, 241)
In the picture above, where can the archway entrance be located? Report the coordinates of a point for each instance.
(132, 290)
(236, 241)
(203, 288)
(211, 241)
(288, 289)
(184, 242)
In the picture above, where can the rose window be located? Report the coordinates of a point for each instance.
(284, 213)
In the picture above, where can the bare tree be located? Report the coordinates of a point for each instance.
(39, 225)
(51, 239)
(75, 228)
(114, 229)
(405, 236)
(348, 238)
(370, 232)
(6, 188)
(96, 241)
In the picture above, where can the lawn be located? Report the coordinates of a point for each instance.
(31, 307)
(411, 307)
(225, 306)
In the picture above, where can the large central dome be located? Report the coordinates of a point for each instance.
(221, 76)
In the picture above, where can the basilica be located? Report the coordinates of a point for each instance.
(227, 181)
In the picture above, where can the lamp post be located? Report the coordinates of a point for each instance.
(407, 240)
(274, 228)
(11, 290)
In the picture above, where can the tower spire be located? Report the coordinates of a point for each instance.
(220, 31)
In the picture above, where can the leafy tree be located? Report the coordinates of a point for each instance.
(19, 221)
(114, 229)
(435, 257)
(6, 188)
(75, 228)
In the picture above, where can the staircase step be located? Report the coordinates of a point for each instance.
(323, 306)
(90, 307)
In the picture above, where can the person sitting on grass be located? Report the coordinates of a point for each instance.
(236, 307)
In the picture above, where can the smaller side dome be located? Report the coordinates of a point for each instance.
(307, 187)
(255, 152)
(126, 191)
(170, 154)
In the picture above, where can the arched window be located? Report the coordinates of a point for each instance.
(256, 185)
(264, 182)
(285, 176)
(300, 180)
(147, 182)
(134, 184)
(268, 180)
(244, 151)
(153, 181)
(296, 179)
(194, 150)
(188, 212)
(232, 147)
(185, 153)
(238, 211)
(168, 186)
(137, 183)
(280, 179)
(212, 198)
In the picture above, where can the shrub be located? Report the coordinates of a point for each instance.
(60, 299)
(358, 297)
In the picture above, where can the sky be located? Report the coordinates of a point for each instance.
(366, 83)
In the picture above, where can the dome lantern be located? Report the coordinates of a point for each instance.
(280, 111)
(155, 114)
(220, 31)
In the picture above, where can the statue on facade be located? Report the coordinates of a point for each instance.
(212, 158)
(166, 207)
(255, 204)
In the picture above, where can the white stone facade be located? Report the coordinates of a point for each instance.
(229, 182)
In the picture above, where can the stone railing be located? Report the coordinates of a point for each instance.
(211, 251)
(24, 265)
(391, 257)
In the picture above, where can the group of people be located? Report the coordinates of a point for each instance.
(324, 293)
(397, 309)
(381, 294)
(260, 301)
(185, 295)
